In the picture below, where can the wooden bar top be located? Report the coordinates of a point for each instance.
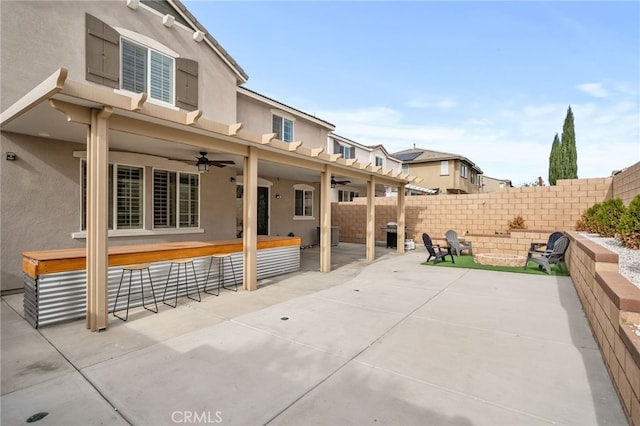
(40, 262)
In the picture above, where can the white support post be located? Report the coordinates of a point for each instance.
(325, 220)
(250, 220)
(371, 219)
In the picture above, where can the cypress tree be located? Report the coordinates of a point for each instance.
(554, 160)
(568, 148)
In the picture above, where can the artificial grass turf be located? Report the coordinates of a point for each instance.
(466, 261)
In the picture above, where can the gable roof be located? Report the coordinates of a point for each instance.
(186, 18)
(262, 98)
(418, 155)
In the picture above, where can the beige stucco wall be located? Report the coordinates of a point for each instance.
(256, 116)
(38, 37)
(430, 173)
(40, 204)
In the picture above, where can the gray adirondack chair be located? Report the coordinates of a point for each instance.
(435, 250)
(455, 244)
(546, 259)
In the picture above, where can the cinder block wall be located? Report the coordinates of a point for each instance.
(626, 184)
(612, 305)
(483, 216)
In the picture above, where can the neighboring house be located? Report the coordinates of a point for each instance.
(489, 184)
(442, 172)
(106, 109)
(376, 156)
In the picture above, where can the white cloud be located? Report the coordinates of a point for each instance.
(444, 104)
(593, 89)
(509, 144)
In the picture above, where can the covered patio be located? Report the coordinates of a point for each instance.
(113, 124)
(386, 342)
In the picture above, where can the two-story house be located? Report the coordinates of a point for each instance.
(442, 172)
(346, 189)
(125, 123)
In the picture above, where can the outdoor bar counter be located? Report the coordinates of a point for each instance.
(55, 284)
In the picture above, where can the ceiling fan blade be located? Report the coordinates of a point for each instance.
(221, 163)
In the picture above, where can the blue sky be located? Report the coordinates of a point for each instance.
(488, 80)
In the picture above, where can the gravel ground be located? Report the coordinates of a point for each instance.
(628, 260)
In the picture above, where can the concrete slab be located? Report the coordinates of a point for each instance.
(359, 394)
(228, 371)
(540, 310)
(413, 345)
(27, 358)
(541, 378)
(331, 326)
(68, 399)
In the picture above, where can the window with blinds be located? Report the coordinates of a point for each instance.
(130, 197)
(164, 199)
(146, 70)
(189, 200)
(175, 199)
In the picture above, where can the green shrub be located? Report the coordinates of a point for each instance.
(588, 222)
(629, 225)
(608, 217)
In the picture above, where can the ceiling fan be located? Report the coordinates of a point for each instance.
(204, 163)
(339, 182)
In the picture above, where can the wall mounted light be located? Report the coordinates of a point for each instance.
(11, 156)
(333, 183)
(278, 196)
(232, 179)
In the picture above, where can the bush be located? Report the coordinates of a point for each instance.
(517, 223)
(629, 225)
(587, 222)
(608, 217)
(602, 218)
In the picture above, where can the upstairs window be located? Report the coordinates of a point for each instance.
(405, 169)
(444, 167)
(346, 150)
(145, 70)
(124, 59)
(463, 170)
(379, 161)
(283, 128)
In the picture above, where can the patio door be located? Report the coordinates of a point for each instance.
(263, 210)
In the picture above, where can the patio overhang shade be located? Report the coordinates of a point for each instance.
(104, 119)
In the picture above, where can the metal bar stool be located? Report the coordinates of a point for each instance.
(221, 257)
(178, 263)
(130, 268)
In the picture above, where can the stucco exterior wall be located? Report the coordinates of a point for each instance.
(256, 116)
(55, 34)
(40, 203)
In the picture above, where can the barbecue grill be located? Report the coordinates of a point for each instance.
(392, 234)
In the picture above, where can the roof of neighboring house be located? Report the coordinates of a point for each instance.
(161, 6)
(284, 107)
(418, 155)
(369, 148)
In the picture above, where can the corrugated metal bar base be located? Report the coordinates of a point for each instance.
(62, 296)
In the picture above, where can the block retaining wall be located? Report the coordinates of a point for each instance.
(612, 306)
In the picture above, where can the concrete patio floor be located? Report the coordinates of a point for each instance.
(390, 342)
